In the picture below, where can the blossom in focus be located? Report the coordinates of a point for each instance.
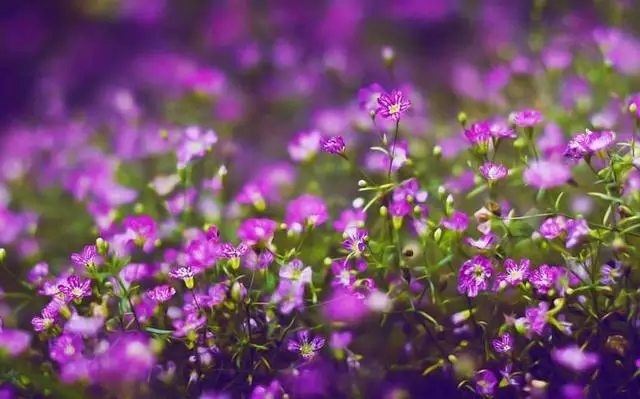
(392, 105)
(161, 293)
(503, 344)
(492, 171)
(306, 346)
(74, 289)
(474, 276)
(611, 272)
(86, 258)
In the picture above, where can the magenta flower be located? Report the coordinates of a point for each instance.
(588, 143)
(86, 258)
(254, 231)
(577, 229)
(288, 296)
(572, 357)
(392, 106)
(184, 273)
(350, 219)
(526, 118)
(459, 221)
(493, 171)
(306, 209)
(356, 242)
(536, 319)
(194, 143)
(501, 130)
(74, 289)
(201, 253)
(486, 241)
(479, 134)
(213, 234)
(515, 273)
(296, 272)
(190, 324)
(45, 321)
(85, 326)
(546, 174)
(161, 293)
(503, 344)
(38, 273)
(333, 145)
(305, 145)
(66, 348)
(485, 382)
(14, 342)
(397, 157)
(228, 251)
(142, 229)
(306, 347)
(543, 278)
(474, 276)
(343, 274)
(553, 227)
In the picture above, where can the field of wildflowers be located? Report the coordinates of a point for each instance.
(301, 203)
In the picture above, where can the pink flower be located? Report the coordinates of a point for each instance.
(526, 118)
(493, 171)
(392, 106)
(546, 174)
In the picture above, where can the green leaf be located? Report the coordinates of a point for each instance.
(158, 331)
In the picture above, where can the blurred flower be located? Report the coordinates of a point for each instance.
(66, 347)
(611, 272)
(296, 273)
(459, 221)
(306, 209)
(546, 174)
(305, 145)
(194, 143)
(254, 231)
(572, 357)
(526, 118)
(485, 382)
(161, 293)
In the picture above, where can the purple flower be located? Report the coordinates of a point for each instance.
(333, 145)
(503, 344)
(201, 253)
(526, 118)
(37, 273)
(289, 296)
(14, 341)
(194, 143)
(129, 358)
(142, 229)
(350, 219)
(213, 234)
(305, 145)
(254, 231)
(85, 326)
(397, 157)
(356, 242)
(306, 209)
(86, 258)
(184, 273)
(343, 274)
(577, 229)
(74, 289)
(296, 273)
(190, 324)
(45, 321)
(588, 143)
(553, 227)
(392, 106)
(611, 272)
(479, 134)
(486, 241)
(228, 251)
(459, 221)
(546, 174)
(474, 276)
(306, 347)
(493, 171)
(161, 293)
(486, 382)
(543, 278)
(66, 348)
(515, 273)
(536, 319)
(572, 357)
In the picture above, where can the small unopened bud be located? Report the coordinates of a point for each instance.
(462, 118)
(388, 55)
(437, 151)
(138, 208)
(238, 291)
(383, 211)
(449, 204)
(633, 108)
(619, 245)
(327, 261)
(437, 234)
(624, 211)
(417, 210)
(3, 254)
(362, 183)
(442, 192)
(519, 143)
(358, 203)
(102, 246)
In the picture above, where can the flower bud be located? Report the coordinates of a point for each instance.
(462, 118)
(362, 183)
(437, 151)
(441, 192)
(3, 254)
(388, 55)
(519, 143)
(383, 211)
(437, 234)
(102, 246)
(238, 291)
(633, 108)
(449, 205)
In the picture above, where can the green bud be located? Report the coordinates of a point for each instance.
(442, 192)
(437, 151)
(519, 143)
(327, 261)
(383, 211)
(462, 118)
(437, 234)
(449, 205)
(3, 254)
(633, 108)
(102, 246)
